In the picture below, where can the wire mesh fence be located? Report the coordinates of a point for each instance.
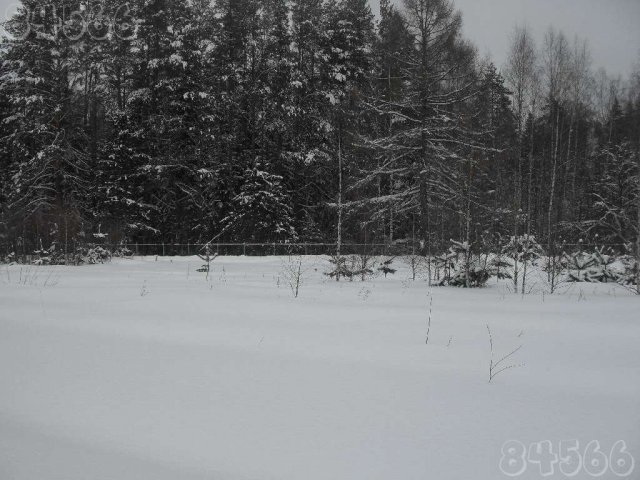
(263, 249)
(22, 251)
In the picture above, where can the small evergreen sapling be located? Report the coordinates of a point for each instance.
(351, 266)
(590, 267)
(525, 250)
(363, 265)
(501, 267)
(445, 263)
(629, 278)
(416, 264)
(386, 267)
(340, 268)
(469, 271)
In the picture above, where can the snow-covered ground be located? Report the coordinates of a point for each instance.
(144, 369)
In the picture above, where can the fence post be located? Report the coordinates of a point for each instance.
(244, 249)
(137, 250)
(163, 249)
(274, 249)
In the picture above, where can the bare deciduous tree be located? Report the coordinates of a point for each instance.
(293, 273)
(521, 74)
(496, 367)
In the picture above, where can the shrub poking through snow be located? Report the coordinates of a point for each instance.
(207, 255)
(92, 256)
(49, 256)
(629, 277)
(122, 252)
(10, 257)
(466, 269)
(472, 274)
(84, 255)
(293, 273)
(590, 267)
(498, 366)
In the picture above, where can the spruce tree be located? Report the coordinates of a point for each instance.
(44, 138)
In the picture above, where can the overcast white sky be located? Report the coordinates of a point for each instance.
(611, 26)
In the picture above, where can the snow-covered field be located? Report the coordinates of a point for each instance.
(144, 369)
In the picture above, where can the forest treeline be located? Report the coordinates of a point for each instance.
(306, 120)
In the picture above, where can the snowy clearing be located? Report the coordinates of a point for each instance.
(144, 369)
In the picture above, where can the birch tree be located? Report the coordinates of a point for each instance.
(521, 73)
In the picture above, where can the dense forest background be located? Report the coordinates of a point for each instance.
(306, 120)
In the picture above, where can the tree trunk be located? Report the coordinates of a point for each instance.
(529, 211)
(339, 239)
(638, 219)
